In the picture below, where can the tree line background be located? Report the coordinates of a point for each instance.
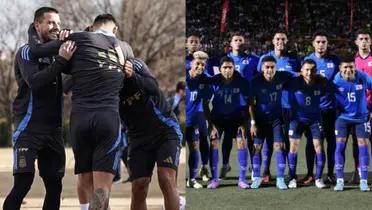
(154, 29)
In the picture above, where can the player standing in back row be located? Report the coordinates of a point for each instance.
(327, 66)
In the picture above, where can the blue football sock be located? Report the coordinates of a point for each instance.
(340, 159)
(292, 162)
(242, 159)
(280, 163)
(319, 165)
(363, 161)
(213, 161)
(193, 163)
(256, 164)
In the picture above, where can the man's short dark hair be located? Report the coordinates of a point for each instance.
(39, 13)
(361, 31)
(280, 31)
(180, 86)
(104, 18)
(193, 34)
(309, 61)
(268, 58)
(319, 33)
(236, 33)
(346, 59)
(226, 59)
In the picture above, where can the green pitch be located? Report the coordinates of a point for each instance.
(229, 196)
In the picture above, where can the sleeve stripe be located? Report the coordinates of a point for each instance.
(25, 54)
(137, 64)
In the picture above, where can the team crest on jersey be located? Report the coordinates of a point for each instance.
(316, 92)
(245, 61)
(201, 86)
(281, 69)
(236, 90)
(279, 86)
(358, 87)
(341, 89)
(330, 65)
(22, 161)
(369, 63)
(263, 91)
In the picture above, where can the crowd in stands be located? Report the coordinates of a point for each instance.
(259, 19)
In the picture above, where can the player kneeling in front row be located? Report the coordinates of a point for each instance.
(304, 93)
(350, 91)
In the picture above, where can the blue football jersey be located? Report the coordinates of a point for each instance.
(267, 95)
(245, 64)
(229, 100)
(305, 99)
(188, 60)
(351, 97)
(194, 98)
(287, 63)
(327, 67)
(213, 65)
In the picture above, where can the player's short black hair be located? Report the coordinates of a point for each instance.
(236, 33)
(268, 58)
(361, 31)
(180, 86)
(280, 31)
(39, 13)
(309, 61)
(193, 34)
(319, 33)
(226, 59)
(104, 18)
(346, 59)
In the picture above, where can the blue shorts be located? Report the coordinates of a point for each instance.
(197, 120)
(297, 128)
(269, 130)
(343, 128)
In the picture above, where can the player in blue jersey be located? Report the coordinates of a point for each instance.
(304, 94)
(351, 86)
(228, 91)
(327, 66)
(193, 45)
(196, 127)
(284, 62)
(266, 117)
(246, 65)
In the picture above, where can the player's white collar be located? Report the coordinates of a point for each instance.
(104, 32)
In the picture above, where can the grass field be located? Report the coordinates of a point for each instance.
(229, 196)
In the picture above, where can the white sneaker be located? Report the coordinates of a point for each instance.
(192, 183)
(292, 184)
(182, 203)
(320, 184)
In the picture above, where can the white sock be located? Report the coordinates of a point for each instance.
(84, 206)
